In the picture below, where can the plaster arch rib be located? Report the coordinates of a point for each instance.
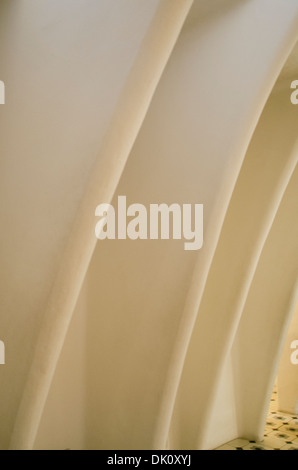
(267, 169)
(234, 266)
(143, 318)
(266, 318)
(135, 97)
(183, 396)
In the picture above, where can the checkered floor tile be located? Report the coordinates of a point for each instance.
(281, 432)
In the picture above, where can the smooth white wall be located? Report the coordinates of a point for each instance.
(64, 64)
(192, 143)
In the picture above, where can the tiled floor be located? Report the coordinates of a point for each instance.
(281, 432)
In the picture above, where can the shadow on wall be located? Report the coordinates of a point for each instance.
(204, 9)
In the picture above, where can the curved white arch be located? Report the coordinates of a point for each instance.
(143, 304)
(134, 292)
(202, 272)
(253, 208)
(276, 281)
(116, 146)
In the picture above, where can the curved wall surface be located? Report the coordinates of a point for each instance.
(141, 344)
